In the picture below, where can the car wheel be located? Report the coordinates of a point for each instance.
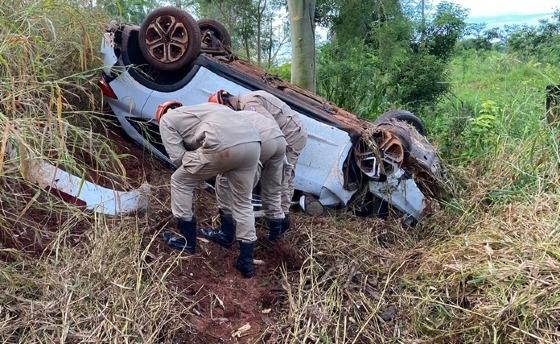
(169, 39)
(212, 31)
(405, 116)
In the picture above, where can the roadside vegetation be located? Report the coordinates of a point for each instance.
(66, 275)
(485, 268)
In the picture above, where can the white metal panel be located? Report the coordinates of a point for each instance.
(108, 52)
(97, 198)
(320, 165)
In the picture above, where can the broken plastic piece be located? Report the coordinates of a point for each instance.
(402, 193)
(81, 192)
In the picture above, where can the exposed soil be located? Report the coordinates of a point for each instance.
(220, 300)
(36, 224)
(224, 300)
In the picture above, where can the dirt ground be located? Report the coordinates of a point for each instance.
(222, 301)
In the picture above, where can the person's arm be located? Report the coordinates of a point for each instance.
(173, 143)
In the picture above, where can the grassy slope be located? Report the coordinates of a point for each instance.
(493, 273)
(485, 268)
(67, 275)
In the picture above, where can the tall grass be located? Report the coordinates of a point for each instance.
(484, 269)
(67, 275)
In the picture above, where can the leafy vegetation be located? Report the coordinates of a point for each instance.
(484, 268)
(65, 275)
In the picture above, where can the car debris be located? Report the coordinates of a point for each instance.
(83, 193)
(345, 156)
(92, 196)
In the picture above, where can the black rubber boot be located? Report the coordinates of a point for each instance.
(245, 260)
(188, 230)
(225, 235)
(276, 229)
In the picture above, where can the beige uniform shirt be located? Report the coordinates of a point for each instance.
(287, 119)
(265, 124)
(212, 127)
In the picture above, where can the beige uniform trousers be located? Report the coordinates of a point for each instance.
(294, 132)
(272, 160)
(238, 164)
(293, 150)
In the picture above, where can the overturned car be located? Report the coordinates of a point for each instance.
(347, 160)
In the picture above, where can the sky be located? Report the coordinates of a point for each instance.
(507, 12)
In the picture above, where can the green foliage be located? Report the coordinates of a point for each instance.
(541, 42)
(380, 58)
(442, 33)
(250, 23)
(283, 71)
(420, 79)
(352, 77)
(481, 136)
(479, 37)
(132, 11)
(494, 120)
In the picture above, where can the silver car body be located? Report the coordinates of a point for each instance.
(321, 166)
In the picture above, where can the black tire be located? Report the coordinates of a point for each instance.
(210, 26)
(169, 39)
(405, 116)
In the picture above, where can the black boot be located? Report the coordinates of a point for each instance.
(188, 230)
(225, 235)
(276, 229)
(245, 260)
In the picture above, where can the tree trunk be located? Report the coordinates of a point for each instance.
(259, 29)
(302, 13)
(178, 3)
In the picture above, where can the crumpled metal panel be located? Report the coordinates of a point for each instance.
(401, 192)
(420, 151)
(82, 192)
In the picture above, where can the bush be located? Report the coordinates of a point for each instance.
(421, 80)
(541, 42)
(397, 62)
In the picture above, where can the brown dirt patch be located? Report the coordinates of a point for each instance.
(223, 300)
(219, 299)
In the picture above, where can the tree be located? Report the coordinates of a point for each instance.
(386, 53)
(250, 23)
(445, 29)
(302, 24)
(132, 11)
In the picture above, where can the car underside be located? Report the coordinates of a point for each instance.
(347, 161)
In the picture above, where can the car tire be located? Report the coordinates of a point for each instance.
(404, 116)
(169, 39)
(209, 26)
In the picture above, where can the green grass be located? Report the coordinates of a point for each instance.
(485, 268)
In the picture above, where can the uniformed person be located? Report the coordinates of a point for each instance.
(202, 141)
(288, 121)
(273, 150)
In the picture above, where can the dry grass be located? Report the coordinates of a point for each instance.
(488, 274)
(107, 289)
(67, 275)
(484, 269)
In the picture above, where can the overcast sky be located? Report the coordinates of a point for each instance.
(504, 12)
